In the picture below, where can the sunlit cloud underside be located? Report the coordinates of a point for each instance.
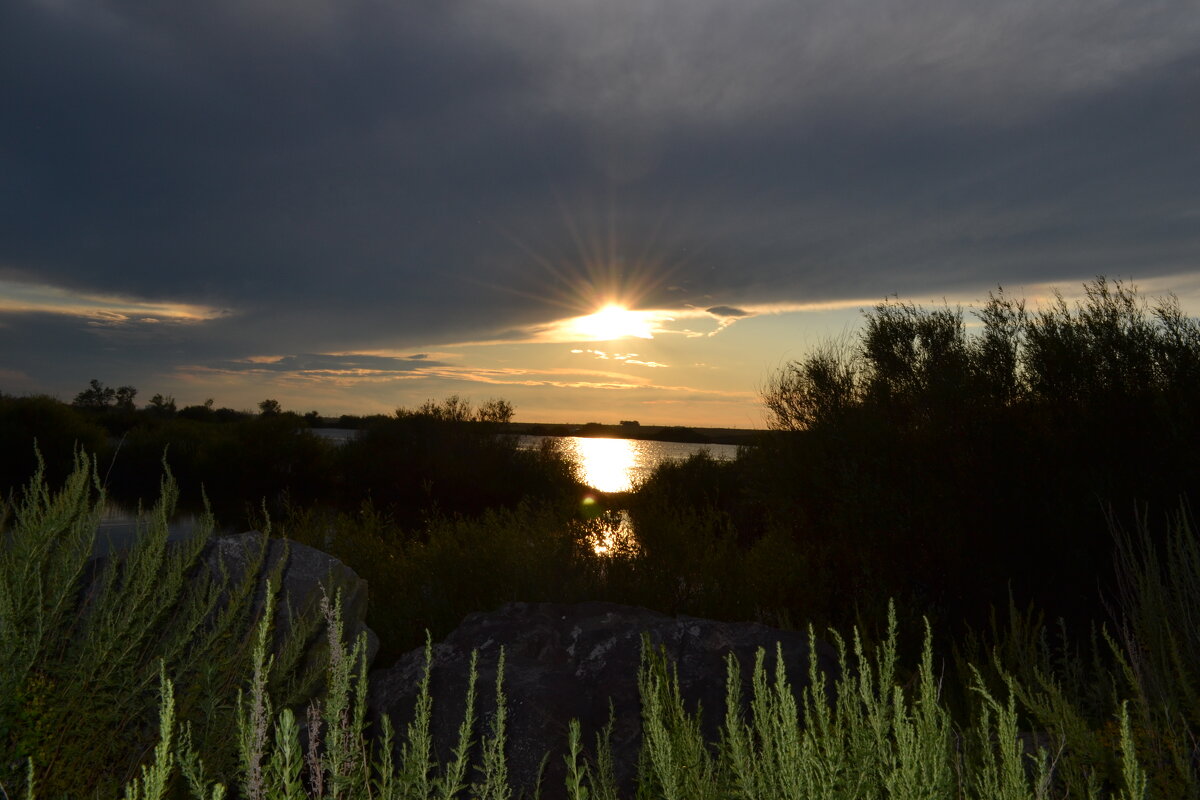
(101, 309)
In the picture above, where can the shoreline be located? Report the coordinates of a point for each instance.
(653, 433)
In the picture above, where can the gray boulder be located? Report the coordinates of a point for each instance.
(567, 662)
(302, 576)
(305, 574)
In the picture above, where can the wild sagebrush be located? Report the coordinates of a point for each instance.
(873, 727)
(864, 736)
(82, 638)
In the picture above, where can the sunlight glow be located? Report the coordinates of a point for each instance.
(611, 533)
(614, 322)
(605, 464)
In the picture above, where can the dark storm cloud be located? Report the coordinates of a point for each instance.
(358, 174)
(62, 353)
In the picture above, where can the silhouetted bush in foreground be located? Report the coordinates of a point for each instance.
(945, 466)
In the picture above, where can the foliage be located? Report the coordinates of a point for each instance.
(83, 637)
(239, 466)
(862, 732)
(920, 366)
(270, 408)
(99, 397)
(163, 406)
(437, 574)
(449, 458)
(29, 425)
(457, 409)
(443, 458)
(945, 465)
(1031, 720)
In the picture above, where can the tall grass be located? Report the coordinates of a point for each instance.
(83, 639)
(868, 734)
(1029, 712)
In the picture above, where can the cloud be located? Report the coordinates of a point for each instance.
(347, 365)
(101, 308)
(203, 182)
(624, 358)
(728, 311)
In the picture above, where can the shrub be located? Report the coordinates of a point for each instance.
(448, 460)
(31, 425)
(943, 466)
(83, 639)
(865, 732)
(78, 669)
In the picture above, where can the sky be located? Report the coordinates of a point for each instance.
(355, 205)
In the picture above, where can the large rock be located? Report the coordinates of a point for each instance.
(567, 662)
(306, 573)
(303, 576)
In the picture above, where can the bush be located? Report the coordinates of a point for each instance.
(82, 650)
(449, 459)
(32, 425)
(83, 639)
(946, 467)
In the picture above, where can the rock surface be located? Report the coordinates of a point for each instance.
(306, 572)
(303, 575)
(566, 662)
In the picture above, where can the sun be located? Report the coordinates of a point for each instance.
(614, 322)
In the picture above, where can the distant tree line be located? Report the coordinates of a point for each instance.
(441, 457)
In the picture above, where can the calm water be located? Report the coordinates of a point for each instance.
(607, 465)
(119, 528)
(617, 465)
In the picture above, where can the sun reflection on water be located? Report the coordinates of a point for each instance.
(616, 465)
(610, 534)
(606, 465)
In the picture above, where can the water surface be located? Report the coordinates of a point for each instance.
(619, 465)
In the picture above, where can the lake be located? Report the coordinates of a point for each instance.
(606, 465)
(618, 465)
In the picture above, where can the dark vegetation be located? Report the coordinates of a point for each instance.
(1037, 465)
(417, 464)
(634, 430)
(947, 469)
(83, 642)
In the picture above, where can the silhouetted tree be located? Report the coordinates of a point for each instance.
(97, 396)
(124, 398)
(459, 409)
(270, 408)
(495, 411)
(163, 406)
